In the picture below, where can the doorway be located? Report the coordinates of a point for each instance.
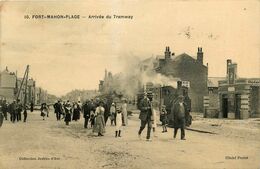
(225, 106)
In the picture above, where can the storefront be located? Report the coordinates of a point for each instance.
(238, 98)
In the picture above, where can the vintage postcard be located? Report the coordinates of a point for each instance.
(134, 84)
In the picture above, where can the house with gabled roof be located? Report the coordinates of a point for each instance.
(188, 69)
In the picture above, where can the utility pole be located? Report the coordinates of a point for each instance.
(25, 91)
(25, 78)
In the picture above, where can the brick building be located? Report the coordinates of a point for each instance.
(239, 98)
(189, 69)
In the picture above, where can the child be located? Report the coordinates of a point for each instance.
(163, 118)
(118, 123)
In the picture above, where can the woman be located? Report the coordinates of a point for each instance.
(44, 110)
(76, 112)
(99, 126)
(113, 114)
(67, 108)
(124, 113)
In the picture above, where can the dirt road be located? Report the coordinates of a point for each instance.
(50, 144)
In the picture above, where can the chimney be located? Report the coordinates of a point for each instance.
(231, 71)
(229, 62)
(200, 55)
(167, 53)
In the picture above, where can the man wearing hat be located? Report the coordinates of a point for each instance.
(179, 117)
(145, 116)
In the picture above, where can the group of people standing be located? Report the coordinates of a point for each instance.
(148, 116)
(15, 109)
(69, 111)
(96, 114)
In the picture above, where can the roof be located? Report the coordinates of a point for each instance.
(213, 81)
(184, 57)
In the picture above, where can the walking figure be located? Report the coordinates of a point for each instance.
(99, 126)
(67, 108)
(145, 117)
(178, 112)
(113, 114)
(119, 123)
(44, 110)
(163, 118)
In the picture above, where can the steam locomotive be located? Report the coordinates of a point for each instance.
(168, 96)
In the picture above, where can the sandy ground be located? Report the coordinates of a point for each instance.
(50, 144)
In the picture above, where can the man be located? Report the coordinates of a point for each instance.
(178, 112)
(87, 108)
(19, 110)
(25, 113)
(58, 109)
(145, 116)
(106, 113)
(1, 116)
(13, 107)
(4, 109)
(32, 106)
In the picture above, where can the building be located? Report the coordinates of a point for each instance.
(211, 102)
(187, 69)
(12, 87)
(30, 91)
(8, 85)
(239, 98)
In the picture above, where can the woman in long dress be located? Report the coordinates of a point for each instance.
(44, 110)
(67, 108)
(76, 112)
(99, 126)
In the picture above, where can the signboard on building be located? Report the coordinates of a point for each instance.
(185, 84)
(231, 89)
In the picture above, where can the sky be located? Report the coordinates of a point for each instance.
(73, 54)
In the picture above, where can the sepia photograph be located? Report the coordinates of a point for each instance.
(170, 84)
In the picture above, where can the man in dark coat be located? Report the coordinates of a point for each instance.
(58, 109)
(178, 113)
(145, 116)
(1, 116)
(32, 106)
(4, 109)
(107, 112)
(87, 108)
(19, 110)
(25, 113)
(13, 108)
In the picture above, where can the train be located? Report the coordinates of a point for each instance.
(167, 95)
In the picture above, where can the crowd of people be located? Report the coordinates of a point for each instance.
(15, 111)
(96, 113)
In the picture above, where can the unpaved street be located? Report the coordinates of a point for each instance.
(52, 145)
